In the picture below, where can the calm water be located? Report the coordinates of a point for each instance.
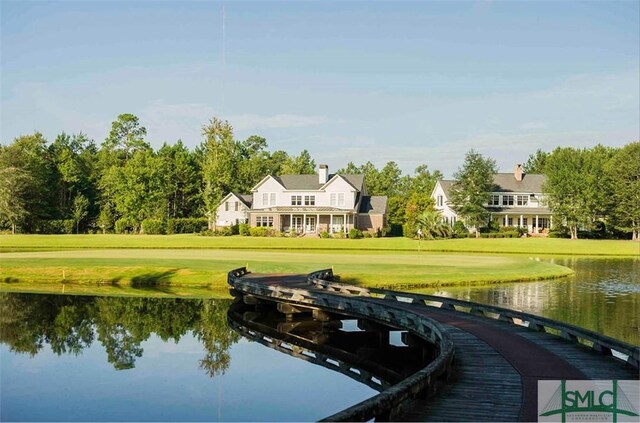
(81, 358)
(604, 296)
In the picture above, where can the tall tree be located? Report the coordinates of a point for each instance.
(623, 171)
(79, 210)
(470, 191)
(569, 186)
(220, 160)
(126, 136)
(299, 165)
(536, 162)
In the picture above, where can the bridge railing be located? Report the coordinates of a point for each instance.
(423, 383)
(598, 342)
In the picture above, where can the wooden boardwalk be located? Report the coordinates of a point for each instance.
(497, 361)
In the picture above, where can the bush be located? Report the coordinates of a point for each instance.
(153, 227)
(511, 234)
(61, 226)
(325, 234)
(124, 226)
(368, 234)
(355, 233)
(338, 235)
(187, 225)
(459, 228)
(263, 231)
(244, 229)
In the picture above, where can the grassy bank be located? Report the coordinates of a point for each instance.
(140, 269)
(549, 246)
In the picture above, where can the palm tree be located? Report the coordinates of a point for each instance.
(432, 225)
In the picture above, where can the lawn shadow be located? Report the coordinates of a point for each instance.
(154, 281)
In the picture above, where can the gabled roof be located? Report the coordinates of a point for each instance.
(312, 182)
(246, 199)
(506, 182)
(373, 204)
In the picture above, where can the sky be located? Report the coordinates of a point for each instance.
(416, 82)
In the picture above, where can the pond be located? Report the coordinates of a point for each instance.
(87, 358)
(603, 295)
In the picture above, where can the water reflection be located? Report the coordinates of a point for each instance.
(604, 296)
(70, 324)
(373, 354)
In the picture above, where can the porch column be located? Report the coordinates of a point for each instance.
(317, 222)
(344, 223)
(506, 220)
(550, 222)
(521, 221)
(304, 223)
(290, 222)
(536, 230)
(330, 224)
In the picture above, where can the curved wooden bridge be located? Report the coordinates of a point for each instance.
(489, 359)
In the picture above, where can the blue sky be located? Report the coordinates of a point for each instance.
(415, 82)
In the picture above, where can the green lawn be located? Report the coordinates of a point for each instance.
(551, 246)
(192, 265)
(141, 269)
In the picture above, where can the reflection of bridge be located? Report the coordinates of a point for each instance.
(489, 359)
(366, 355)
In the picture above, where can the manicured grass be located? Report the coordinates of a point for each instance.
(141, 269)
(550, 246)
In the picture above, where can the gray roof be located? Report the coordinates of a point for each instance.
(311, 182)
(506, 182)
(374, 204)
(247, 199)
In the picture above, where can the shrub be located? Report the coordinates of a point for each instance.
(263, 231)
(153, 227)
(559, 232)
(338, 235)
(124, 226)
(368, 234)
(61, 226)
(244, 229)
(511, 234)
(355, 233)
(187, 225)
(459, 228)
(325, 234)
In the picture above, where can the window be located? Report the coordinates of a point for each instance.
(296, 200)
(509, 221)
(309, 200)
(272, 199)
(525, 221)
(264, 221)
(440, 200)
(332, 198)
(236, 206)
(507, 200)
(494, 200)
(341, 199)
(265, 198)
(523, 200)
(226, 206)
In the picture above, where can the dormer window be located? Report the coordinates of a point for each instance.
(309, 200)
(494, 200)
(296, 200)
(507, 200)
(439, 200)
(523, 200)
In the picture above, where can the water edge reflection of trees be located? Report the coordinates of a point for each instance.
(69, 324)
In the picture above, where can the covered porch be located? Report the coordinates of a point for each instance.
(535, 223)
(315, 223)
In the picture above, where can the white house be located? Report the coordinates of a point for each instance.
(516, 200)
(315, 203)
(233, 209)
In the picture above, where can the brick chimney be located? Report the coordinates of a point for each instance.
(517, 172)
(323, 174)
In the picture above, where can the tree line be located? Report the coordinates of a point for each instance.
(74, 185)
